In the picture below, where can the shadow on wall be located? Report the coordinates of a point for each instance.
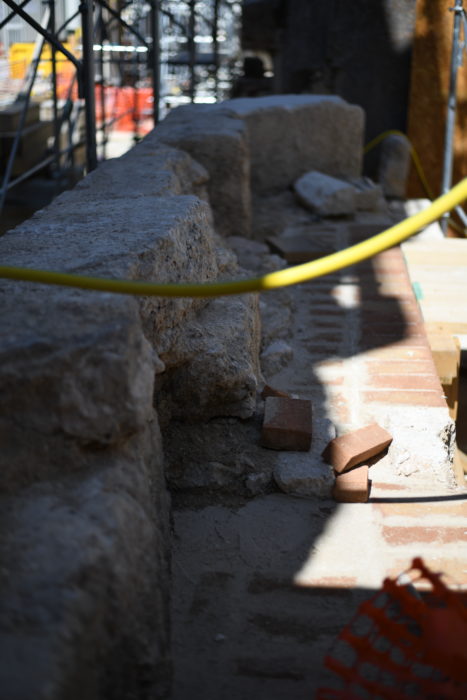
(360, 51)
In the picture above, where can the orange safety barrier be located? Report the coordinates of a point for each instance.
(403, 643)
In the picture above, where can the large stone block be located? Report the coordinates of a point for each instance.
(77, 368)
(147, 170)
(291, 134)
(84, 582)
(219, 142)
(221, 377)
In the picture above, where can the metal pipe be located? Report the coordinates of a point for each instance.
(100, 25)
(118, 17)
(6, 19)
(192, 50)
(57, 126)
(155, 60)
(88, 83)
(215, 42)
(451, 110)
(43, 32)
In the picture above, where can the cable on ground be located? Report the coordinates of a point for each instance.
(282, 278)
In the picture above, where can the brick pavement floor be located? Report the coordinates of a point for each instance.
(263, 587)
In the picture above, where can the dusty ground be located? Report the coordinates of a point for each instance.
(242, 626)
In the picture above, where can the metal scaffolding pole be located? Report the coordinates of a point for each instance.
(88, 82)
(155, 59)
(456, 58)
(192, 49)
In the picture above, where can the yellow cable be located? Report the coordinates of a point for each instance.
(283, 278)
(415, 157)
(418, 167)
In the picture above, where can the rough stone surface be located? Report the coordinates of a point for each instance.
(84, 582)
(221, 377)
(282, 131)
(79, 365)
(219, 143)
(394, 165)
(304, 476)
(150, 169)
(275, 356)
(368, 194)
(325, 195)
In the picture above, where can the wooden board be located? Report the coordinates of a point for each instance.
(438, 271)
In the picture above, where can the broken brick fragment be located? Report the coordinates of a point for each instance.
(353, 448)
(352, 486)
(272, 391)
(287, 424)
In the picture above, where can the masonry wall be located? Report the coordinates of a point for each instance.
(90, 381)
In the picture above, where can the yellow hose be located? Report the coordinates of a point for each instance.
(283, 278)
(415, 157)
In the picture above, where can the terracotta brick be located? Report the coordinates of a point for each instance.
(408, 535)
(271, 391)
(406, 381)
(406, 398)
(338, 408)
(454, 569)
(346, 451)
(368, 341)
(399, 367)
(450, 509)
(352, 486)
(287, 424)
(326, 581)
(401, 351)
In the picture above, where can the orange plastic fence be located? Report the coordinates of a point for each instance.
(404, 643)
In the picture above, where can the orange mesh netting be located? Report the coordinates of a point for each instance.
(403, 643)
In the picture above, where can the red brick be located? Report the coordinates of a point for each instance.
(338, 407)
(400, 351)
(352, 486)
(287, 424)
(399, 366)
(271, 391)
(450, 509)
(406, 398)
(346, 451)
(454, 569)
(408, 535)
(406, 381)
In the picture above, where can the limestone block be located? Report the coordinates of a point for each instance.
(165, 239)
(368, 194)
(219, 143)
(292, 134)
(325, 195)
(148, 169)
(77, 368)
(222, 376)
(301, 475)
(394, 165)
(85, 582)
(275, 356)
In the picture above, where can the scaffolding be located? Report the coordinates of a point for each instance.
(73, 73)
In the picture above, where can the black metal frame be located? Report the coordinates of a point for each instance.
(99, 20)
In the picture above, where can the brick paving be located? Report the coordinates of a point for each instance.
(371, 360)
(262, 589)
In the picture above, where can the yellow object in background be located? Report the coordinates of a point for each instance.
(20, 57)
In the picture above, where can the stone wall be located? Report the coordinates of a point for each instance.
(87, 379)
